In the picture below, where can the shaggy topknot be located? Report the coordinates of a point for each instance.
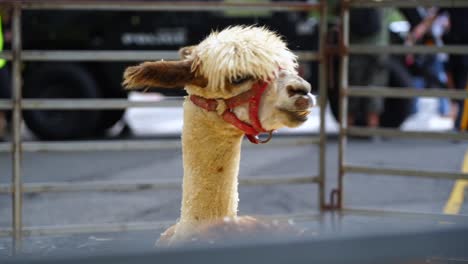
(241, 51)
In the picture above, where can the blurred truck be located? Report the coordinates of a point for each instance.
(117, 30)
(143, 30)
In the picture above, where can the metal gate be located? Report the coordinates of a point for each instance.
(18, 104)
(354, 91)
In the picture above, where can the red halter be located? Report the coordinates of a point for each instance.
(253, 97)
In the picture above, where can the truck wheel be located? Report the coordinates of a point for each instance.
(395, 110)
(61, 80)
(111, 88)
(110, 117)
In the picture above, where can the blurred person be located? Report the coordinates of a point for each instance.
(428, 69)
(457, 65)
(367, 27)
(5, 92)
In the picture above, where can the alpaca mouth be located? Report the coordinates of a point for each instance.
(296, 115)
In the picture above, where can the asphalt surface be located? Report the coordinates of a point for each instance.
(369, 191)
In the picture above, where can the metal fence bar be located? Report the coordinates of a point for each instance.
(17, 185)
(308, 55)
(401, 49)
(73, 104)
(148, 144)
(407, 3)
(132, 186)
(6, 54)
(127, 55)
(323, 103)
(6, 232)
(96, 55)
(343, 102)
(264, 181)
(406, 172)
(5, 104)
(394, 92)
(407, 214)
(5, 147)
(103, 186)
(384, 132)
(165, 6)
(102, 145)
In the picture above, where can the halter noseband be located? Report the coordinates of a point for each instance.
(253, 97)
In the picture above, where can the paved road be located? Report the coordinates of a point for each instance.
(428, 195)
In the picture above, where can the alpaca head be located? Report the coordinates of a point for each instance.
(231, 62)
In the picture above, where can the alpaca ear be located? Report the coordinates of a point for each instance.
(165, 74)
(184, 52)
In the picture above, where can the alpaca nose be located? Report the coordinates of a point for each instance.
(305, 101)
(301, 90)
(298, 88)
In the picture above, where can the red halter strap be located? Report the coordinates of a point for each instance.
(253, 97)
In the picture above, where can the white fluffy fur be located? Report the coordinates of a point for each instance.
(239, 51)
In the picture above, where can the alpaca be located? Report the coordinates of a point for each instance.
(240, 81)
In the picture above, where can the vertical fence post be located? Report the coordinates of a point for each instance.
(343, 102)
(17, 188)
(323, 100)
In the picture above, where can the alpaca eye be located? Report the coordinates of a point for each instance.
(240, 80)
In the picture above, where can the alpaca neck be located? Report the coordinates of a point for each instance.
(211, 155)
